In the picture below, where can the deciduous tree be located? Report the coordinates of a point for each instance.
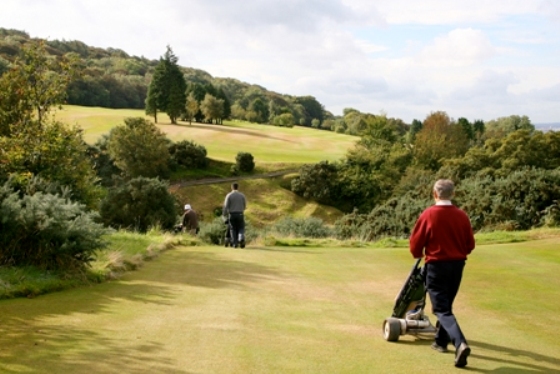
(139, 148)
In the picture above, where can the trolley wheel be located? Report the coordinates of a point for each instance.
(391, 329)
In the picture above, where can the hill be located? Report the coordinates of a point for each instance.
(267, 144)
(112, 78)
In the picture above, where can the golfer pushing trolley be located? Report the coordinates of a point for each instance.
(443, 235)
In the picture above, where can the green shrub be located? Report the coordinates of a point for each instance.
(139, 148)
(188, 154)
(46, 230)
(310, 227)
(245, 162)
(394, 218)
(520, 201)
(140, 204)
(234, 170)
(214, 232)
(317, 182)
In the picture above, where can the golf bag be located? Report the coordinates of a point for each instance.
(408, 313)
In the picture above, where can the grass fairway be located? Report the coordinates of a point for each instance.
(267, 144)
(285, 310)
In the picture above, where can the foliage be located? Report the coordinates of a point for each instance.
(317, 182)
(139, 204)
(34, 84)
(312, 109)
(503, 156)
(439, 139)
(309, 227)
(504, 126)
(32, 144)
(212, 108)
(46, 230)
(520, 200)
(214, 232)
(167, 90)
(102, 162)
(139, 148)
(188, 154)
(393, 218)
(283, 120)
(54, 152)
(245, 162)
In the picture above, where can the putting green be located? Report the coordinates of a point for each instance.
(285, 310)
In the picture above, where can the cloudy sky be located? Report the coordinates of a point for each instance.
(478, 59)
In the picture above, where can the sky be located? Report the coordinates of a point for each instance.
(478, 59)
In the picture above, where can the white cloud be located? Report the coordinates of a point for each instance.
(473, 58)
(460, 47)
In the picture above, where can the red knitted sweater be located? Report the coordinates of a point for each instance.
(442, 232)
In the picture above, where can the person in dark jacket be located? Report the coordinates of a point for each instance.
(190, 220)
(233, 210)
(443, 235)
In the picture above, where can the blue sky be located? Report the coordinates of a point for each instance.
(477, 59)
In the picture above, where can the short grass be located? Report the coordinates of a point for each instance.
(285, 310)
(267, 144)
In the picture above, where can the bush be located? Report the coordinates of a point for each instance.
(188, 154)
(309, 227)
(394, 218)
(244, 162)
(215, 231)
(139, 204)
(46, 230)
(521, 200)
(317, 182)
(139, 148)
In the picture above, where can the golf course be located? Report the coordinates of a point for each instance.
(210, 309)
(280, 305)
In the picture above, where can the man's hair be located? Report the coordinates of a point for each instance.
(234, 186)
(444, 189)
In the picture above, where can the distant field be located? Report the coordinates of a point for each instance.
(286, 310)
(267, 144)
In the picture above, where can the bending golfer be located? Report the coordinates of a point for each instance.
(443, 234)
(234, 206)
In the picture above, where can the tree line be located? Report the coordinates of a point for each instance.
(507, 174)
(112, 78)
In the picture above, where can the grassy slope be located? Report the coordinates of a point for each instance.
(266, 201)
(285, 310)
(267, 144)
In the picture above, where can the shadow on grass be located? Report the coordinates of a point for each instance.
(511, 366)
(281, 249)
(207, 269)
(519, 367)
(232, 130)
(29, 345)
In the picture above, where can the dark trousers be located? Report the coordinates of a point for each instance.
(237, 227)
(443, 279)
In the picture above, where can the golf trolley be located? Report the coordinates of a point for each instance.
(408, 314)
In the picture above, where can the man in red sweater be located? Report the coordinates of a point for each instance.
(443, 234)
